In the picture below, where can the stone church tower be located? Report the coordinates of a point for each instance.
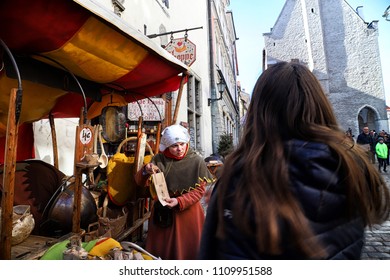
(342, 51)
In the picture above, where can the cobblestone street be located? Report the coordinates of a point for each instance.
(377, 245)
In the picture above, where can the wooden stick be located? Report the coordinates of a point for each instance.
(77, 144)
(76, 218)
(7, 200)
(137, 151)
(54, 140)
(178, 99)
(158, 137)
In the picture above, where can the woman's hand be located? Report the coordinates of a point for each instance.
(171, 202)
(150, 168)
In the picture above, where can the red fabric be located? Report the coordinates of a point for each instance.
(47, 25)
(69, 106)
(184, 234)
(45, 32)
(168, 85)
(145, 73)
(167, 153)
(30, 34)
(181, 240)
(43, 26)
(25, 146)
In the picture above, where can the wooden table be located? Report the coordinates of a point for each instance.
(34, 247)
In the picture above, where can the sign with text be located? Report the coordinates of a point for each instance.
(183, 49)
(150, 110)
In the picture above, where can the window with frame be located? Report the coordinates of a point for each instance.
(194, 114)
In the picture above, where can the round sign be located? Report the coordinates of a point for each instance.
(85, 135)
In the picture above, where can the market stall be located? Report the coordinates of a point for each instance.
(58, 59)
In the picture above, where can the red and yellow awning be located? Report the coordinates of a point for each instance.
(97, 47)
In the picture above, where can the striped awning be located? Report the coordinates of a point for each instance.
(52, 38)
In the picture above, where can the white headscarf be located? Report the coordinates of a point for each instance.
(173, 134)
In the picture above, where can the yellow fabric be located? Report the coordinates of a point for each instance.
(97, 42)
(107, 100)
(120, 178)
(144, 256)
(147, 159)
(96, 248)
(103, 247)
(37, 100)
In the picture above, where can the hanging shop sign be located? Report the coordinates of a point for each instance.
(152, 109)
(183, 49)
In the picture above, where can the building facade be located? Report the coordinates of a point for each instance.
(245, 100)
(342, 51)
(208, 108)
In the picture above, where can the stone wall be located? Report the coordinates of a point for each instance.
(342, 51)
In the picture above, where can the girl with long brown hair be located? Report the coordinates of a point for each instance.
(295, 187)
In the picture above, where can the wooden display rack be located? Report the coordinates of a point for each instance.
(35, 246)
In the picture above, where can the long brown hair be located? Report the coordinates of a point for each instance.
(288, 102)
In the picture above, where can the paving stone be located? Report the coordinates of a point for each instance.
(377, 243)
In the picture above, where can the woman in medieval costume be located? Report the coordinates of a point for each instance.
(174, 230)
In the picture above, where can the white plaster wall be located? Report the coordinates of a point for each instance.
(66, 132)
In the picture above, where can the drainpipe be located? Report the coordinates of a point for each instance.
(213, 105)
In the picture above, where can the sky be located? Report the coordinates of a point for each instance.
(253, 18)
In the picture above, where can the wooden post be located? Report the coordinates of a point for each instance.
(54, 140)
(7, 200)
(137, 151)
(158, 137)
(77, 143)
(178, 99)
(76, 218)
(85, 134)
(140, 124)
(81, 167)
(83, 146)
(140, 153)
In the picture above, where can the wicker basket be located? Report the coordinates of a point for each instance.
(112, 222)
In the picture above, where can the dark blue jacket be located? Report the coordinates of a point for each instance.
(322, 194)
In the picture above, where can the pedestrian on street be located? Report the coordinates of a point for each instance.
(387, 142)
(382, 151)
(367, 141)
(296, 187)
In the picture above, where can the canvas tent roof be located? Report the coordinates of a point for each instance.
(53, 40)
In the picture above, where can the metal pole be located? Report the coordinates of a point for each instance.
(172, 32)
(213, 93)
